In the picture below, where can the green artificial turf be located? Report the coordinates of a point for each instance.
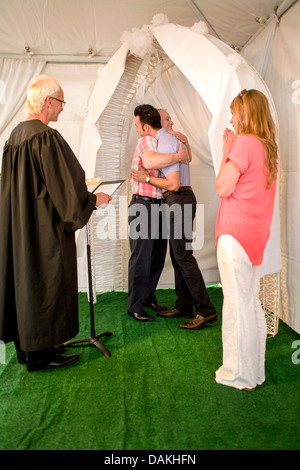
(155, 392)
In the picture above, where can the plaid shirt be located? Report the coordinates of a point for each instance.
(144, 189)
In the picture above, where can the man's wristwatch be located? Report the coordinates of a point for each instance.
(148, 179)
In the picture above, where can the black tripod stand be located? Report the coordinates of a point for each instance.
(93, 339)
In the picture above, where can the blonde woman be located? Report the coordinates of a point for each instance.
(246, 184)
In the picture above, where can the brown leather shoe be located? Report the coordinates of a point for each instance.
(198, 322)
(174, 313)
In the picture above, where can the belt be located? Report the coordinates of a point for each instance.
(182, 188)
(147, 198)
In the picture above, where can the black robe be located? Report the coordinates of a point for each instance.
(44, 200)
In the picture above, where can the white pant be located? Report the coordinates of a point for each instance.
(244, 328)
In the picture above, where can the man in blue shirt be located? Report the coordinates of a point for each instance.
(180, 199)
(148, 249)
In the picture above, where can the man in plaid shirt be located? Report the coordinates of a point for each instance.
(148, 246)
(178, 195)
(145, 144)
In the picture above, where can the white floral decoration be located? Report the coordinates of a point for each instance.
(200, 28)
(139, 41)
(160, 18)
(235, 60)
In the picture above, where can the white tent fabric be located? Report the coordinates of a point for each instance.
(281, 69)
(65, 30)
(91, 140)
(17, 74)
(221, 77)
(218, 76)
(61, 34)
(77, 79)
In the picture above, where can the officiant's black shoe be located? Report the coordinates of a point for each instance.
(60, 361)
(141, 316)
(155, 306)
(21, 357)
(56, 362)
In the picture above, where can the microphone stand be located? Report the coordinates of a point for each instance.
(93, 339)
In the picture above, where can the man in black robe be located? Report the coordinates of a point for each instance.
(44, 200)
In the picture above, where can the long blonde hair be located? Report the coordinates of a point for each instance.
(254, 117)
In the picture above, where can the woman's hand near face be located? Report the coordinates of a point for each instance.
(229, 173)
(228, 139)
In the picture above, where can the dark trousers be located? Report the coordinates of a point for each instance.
(148, 252)
(189, 284)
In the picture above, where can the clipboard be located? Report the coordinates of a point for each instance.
(109, 187)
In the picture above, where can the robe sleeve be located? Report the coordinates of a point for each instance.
(65, 180)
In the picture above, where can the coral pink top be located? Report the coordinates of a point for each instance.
(247, 213)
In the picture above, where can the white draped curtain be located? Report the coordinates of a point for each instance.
(14, 77)
(77, 80)
(173, 92)
(202, 122)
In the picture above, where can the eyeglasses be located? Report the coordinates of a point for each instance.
(61, 101)
(241, 94)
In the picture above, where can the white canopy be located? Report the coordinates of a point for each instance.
(216, 73)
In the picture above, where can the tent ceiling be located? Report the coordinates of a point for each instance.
(60, 28)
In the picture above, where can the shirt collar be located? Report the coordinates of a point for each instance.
(160, 133)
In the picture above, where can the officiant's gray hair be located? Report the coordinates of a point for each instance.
(38, 90)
